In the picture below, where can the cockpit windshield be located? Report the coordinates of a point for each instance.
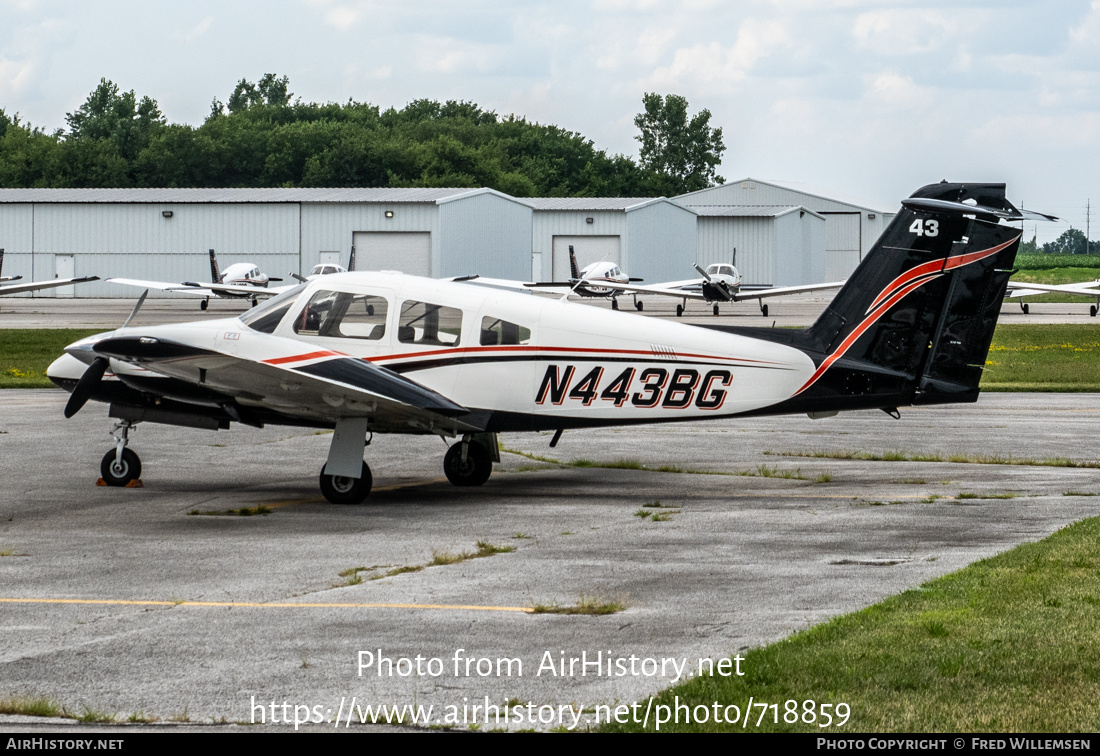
(265, 317)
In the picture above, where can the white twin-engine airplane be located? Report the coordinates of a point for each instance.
(389, 353)
(240, 280)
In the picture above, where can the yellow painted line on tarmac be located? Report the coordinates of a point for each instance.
(268, 605)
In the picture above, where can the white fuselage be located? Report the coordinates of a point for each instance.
(493, 350)
(244, 274)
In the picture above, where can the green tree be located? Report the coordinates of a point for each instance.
(683, 153)
(118, 118)
(1071, 242)
(269, 91)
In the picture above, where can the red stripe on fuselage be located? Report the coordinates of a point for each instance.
(304, 357)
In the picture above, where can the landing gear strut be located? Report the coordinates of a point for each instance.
(121, 465)
(340, 490)
(468, 463)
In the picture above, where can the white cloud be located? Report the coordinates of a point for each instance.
(199, 29)
(709, 63)
(902, 31)
(15, 76)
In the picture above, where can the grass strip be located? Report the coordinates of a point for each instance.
(1008, 644)
(970, 459)
(26, 353)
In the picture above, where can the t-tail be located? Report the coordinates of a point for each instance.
(215, 275)
(913, 323)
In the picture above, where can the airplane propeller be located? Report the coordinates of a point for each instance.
(86, 386)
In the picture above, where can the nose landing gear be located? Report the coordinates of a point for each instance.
(121, 466)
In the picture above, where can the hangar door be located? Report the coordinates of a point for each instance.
(407, 251)
(588, 249)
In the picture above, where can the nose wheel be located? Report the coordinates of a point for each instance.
(119, 471)
(341, 490)
(121, 466)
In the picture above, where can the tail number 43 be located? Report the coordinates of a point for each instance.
(925, 227)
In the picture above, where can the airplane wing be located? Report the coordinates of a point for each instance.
(692, 289)
(36, 285)
(779, 291)
(161, 286)
(292, 379)
(1084, 289)
(192, 289)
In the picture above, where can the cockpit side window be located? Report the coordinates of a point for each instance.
(429, 324)
(495, 331)
(343, 315)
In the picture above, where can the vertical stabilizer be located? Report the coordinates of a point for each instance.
(215, 276)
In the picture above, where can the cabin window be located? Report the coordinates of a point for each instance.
(429, 324)
(495, 331)
(343, 315)
(266, 317)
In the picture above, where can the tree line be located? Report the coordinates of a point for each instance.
(263, 137)
(1071, 242)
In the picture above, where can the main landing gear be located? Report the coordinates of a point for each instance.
(468, 463)
(340, 490)
(120, 466)
(204, 304)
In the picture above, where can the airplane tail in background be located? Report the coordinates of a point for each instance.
(215, 275)
(914, 321)
(574, 269)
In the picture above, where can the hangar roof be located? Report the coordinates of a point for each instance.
(179, 196)
(590, 203)
(747, 211)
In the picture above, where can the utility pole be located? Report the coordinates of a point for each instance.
(1087, 219)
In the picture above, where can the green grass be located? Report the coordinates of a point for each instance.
(1047, 262)
(1042, 357)
(1008, 644)
(971, 459)
(30, 707)
(586, 605)
(26, 353)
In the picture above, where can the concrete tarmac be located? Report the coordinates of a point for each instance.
(121, 601)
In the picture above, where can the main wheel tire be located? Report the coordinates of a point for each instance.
(1027, 309)
(679, 311)
(474, 471)
(764, 310)
(1092, 311)
(614, 304)
(340, 490)
(204, 304)
(639, 306)
(116, 473)
(715, 310)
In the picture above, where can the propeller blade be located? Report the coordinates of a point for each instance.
(703, 273)
(137, 307)
(86, 386)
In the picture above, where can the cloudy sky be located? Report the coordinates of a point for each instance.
(869, 98)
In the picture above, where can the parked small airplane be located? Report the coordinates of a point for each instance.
(721, 282)
(239, 281)
(366, 353)
(10, 288)
(322, 269)
(591, 281)
(1090, 289)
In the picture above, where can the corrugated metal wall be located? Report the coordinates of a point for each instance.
(754, 239)
(798, 260)
(486, 234)
(662, 240)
